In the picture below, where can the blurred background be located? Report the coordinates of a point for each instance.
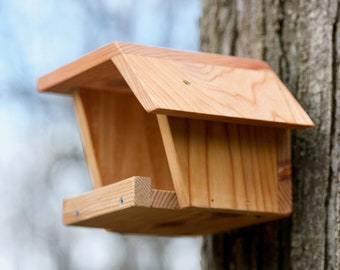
(41, 157)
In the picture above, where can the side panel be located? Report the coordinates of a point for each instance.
(230, 166)
(120, 139)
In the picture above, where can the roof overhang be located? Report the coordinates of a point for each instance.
(185, 84)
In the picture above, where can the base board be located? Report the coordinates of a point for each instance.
(131, 206)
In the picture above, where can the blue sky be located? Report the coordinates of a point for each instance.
(41, 159)
(43, 35)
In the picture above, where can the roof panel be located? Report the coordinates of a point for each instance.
(187, 84)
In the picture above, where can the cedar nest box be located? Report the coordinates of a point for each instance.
(179, 143)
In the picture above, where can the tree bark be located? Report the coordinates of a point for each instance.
(301, 42)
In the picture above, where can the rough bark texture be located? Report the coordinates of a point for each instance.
(301, 41)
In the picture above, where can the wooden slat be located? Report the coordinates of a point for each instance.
(266, 145)
(185, 84)
(285, 196)
(176, 159)
(220, 173)
(235, 146)
(120, 139)
(227, 166)
(196, 149)
(252, 199)
(87, 139)
(256, 162)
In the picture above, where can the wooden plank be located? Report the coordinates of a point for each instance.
(256, 162)
(183, 222)
(267, 146)
(227, 166)
(194, 90)
(250, 180)
(185, 84)
(131, 206)
(120, 139)
(195, 57)
(100, 66)
(237, 161)
(285, 196)
(87, 140)
(197, 160)
(175, 160)
(134, 191)
(94, 66)
(164, 199)
(220, 172)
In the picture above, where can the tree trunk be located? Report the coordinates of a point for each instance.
(301, 42)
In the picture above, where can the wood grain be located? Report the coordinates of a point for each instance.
(177, 165)
(211, 131)
(185, 84)
(98, 63)
(228, 166)
(285, 196)
(212, 92)
(134, 191)
(131, 206)
(120, 139)
(87, 138)
(164, 199)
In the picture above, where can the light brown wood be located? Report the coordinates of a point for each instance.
(175, 158)
(228, 166)
(120, 139)
(134, 191)
(164, 199)
(285, 196)
(87, 139)
(131, 206)
(213, 132)
(97, 66)
(185, 84)
(211, 92)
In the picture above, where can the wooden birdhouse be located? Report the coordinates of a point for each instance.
(179, 143)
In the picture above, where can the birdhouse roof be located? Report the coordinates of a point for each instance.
(185, 84)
